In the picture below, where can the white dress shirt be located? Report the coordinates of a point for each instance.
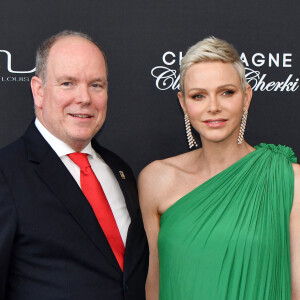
(102, 171)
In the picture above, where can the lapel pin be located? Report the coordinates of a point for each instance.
(122, 174)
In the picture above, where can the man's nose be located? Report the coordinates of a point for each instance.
(83, 94)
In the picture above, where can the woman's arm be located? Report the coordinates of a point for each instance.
(148, 195)
(295, 236)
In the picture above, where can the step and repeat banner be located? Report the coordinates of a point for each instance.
(144, 42)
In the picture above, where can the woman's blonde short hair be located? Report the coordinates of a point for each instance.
(209, 50)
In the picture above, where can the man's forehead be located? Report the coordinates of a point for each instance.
(73, 44)
(76, 54)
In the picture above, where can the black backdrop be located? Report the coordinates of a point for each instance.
(144, 41)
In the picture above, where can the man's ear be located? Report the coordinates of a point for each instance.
(181, 101)
(37, 89)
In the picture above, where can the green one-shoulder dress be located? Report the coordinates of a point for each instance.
(229, 237)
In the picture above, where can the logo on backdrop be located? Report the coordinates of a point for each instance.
(167, 75)
(7, 74)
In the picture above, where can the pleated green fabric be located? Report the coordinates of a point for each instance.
(229, 237)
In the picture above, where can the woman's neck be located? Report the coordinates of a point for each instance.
(216, 157)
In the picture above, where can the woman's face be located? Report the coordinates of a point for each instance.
(214, 100)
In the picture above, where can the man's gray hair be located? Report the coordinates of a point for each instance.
(42, 53)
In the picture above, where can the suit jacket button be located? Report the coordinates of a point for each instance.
(126, 288)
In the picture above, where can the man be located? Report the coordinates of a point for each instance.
(54, 239)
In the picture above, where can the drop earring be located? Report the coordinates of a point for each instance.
(242, 127)
(191, 141)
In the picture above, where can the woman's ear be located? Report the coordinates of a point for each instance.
(181, 101)
(248, 97)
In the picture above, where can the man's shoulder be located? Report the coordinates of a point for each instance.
(107, 154)
(13, 151)
(18, 150)
(114, 161)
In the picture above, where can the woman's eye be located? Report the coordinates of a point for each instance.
(228, 92)
(197, 96)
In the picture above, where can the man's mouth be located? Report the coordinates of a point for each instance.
(80, 116)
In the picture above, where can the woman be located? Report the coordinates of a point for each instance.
(223, 221)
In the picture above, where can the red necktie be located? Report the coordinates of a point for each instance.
(93, 191)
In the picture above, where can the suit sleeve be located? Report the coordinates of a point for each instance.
(8, 225)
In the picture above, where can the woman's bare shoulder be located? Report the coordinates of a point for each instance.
(163, 169)
(158, 178)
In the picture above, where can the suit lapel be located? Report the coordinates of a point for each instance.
(55, 175)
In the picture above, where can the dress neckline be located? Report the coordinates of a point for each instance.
(207, 182)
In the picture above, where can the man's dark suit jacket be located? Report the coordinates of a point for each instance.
(51, 245)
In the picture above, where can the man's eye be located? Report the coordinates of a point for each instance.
(67, 83)
(96, 85)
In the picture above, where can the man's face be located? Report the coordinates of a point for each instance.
(72, 101)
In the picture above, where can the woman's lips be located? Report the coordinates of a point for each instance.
(215, 123)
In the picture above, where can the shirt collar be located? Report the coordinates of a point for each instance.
(60, 147)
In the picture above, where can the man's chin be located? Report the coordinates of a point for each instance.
(79, 142)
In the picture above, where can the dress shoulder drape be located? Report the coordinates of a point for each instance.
(229, 237)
